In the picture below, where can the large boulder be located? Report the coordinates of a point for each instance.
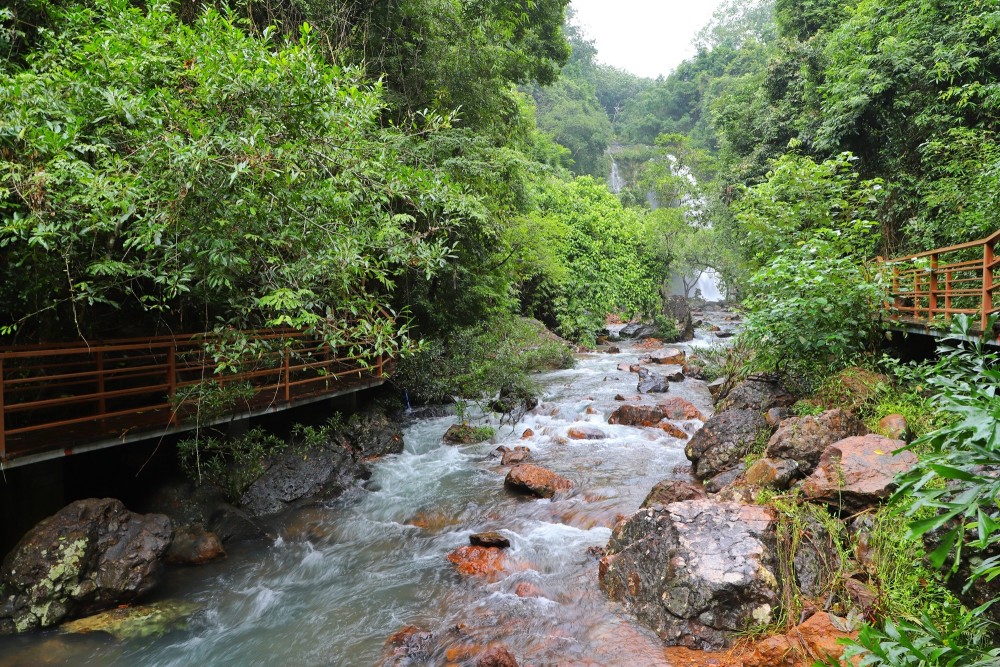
(679, 408)
(373, 434)
(638, 330)
(651, 382)
(858, 472)
(188, 504)
(535, 480)
(672, 491)
(295, 477)
(193, 545)
(638, 415)
(678, 309)
(696, 571)
(804, 439)
(91, 555)
(724, 440)
(758, 394)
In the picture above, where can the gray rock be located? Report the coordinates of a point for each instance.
(756, 394)
(804, 439)
(373, 434)
(638, 331)
(651, 382)
(672, 491)
(724, 479)
(678, 309)
(91, 555)
(773, 473)
(695, 571)
(723, 441)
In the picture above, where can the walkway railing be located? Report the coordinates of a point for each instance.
(57, 396)
(930, 287)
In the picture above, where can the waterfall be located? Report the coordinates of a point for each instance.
(615, 180)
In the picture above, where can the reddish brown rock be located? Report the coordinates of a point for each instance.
(528, 433)
(670, 357)
(895, 427)
(858, 472)
(478, 561)
(772, 473)
(679, 408)
(804, 439)
(515, 456)
(619, 397)
(638, 415)
(497, 656)
(814, 640)
(193, 545)
(536, 480)
(672, 491)
(399, 637)
(586, 433)
(625, 367)
(673, 431)
(527, 589)
(489, 539)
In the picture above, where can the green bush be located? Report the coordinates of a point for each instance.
(230, 464)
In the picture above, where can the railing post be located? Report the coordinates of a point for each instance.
(987, 286)
(380, 365)
(287, 370)
(102, 405)
(932, 301)
(947, 295)
(3, 428)
(172, 381)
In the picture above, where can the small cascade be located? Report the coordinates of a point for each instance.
(615, 181)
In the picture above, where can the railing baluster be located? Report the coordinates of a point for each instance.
(3, 428)
(287, 371)
(932, 288)
(102, 405)
(987, 285)
(172, 381)
(947, 296)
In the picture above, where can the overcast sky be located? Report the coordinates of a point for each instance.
(646, 37)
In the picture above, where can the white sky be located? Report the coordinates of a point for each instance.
(645, 37)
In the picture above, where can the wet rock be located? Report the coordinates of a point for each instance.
(651, 383)
(757, 394)
(638, 415)
(638, 331)
(724, 334)
(613, 349)
(716, 386)
(373, 434)
(772, 473)
(672, 491)
(489, 539)
(296, 477)
(478, 561)
(497, 656)
(619, 397)
(466, 434)
(724, 440)
(91, 555)
(627, 368)
(673, 431)
(678, 309)
(670, 357)
(409, 645)
(693, 370)
(189, 505)
(528, 433)
(895, 427)
(586, 433)
(724, 479)
(193, 545)
(136, 622)
(858, 472)
(817, 639)
(804, 439)
(596, 552)
(862, 595)
(775, 416)
(526, 589)
(516, 456)
(679, 408)
(674, 377)
(694, 571)
(536, 480)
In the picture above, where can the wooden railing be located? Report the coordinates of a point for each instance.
(930, 287)
(53, 397)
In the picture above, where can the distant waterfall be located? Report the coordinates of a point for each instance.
(615, 180)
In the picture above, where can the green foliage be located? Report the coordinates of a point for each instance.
(230, 464)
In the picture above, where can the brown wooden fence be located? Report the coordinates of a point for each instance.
(57, 396)
(930, 287)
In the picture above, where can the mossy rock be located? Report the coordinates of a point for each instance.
(466, 434)
(851, 389)
(123, 623)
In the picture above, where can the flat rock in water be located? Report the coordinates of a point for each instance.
(679, 408)
(489, 539)
(638, 415)
(465, 434)
(538, 481)
(670, 357)
(651, 383)
(858, 472)
(497, 656)
(123, 623)
(478, 561)
(586, 433)
(516, 456)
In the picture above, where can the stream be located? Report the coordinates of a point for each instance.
(342, 578)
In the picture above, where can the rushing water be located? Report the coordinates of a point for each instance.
(342, 578)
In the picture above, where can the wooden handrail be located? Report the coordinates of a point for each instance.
(55, 396)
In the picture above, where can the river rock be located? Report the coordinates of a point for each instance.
(373, 434)
(724, 479)
(772, 473)
(673, 431)
(538, 481)
(672, 491)
(515, 456)
(679, 408)
(638, 330)
(193, 545)
(804, 439)
(91, 555)
(670, 357)
(409, 646)
(586, 433)
(465, 434)
(724, 440)
(678, 309)
(190, 505)
(716, 386)
(295, 477)
(135, 622)
(478, 561)
(858, 472)
(638, 415)
(895, 427)
(695, 571)
(497, 656)
(489, 539)
(651, 383)
(724, 334)
(757, 394)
